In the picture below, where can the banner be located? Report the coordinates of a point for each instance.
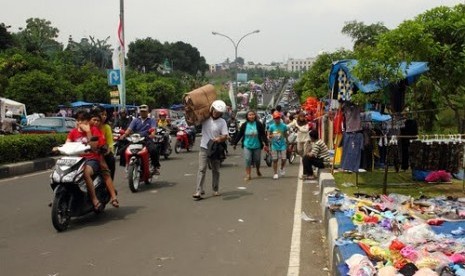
(118, 62)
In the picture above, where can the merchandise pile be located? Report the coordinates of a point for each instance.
(399, 235)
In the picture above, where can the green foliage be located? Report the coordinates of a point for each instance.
(38, 90)
(363, 35)
(148, 55)
(91, 50)
(17, 148)
(437, 37)
(39, 37)
(6, 39)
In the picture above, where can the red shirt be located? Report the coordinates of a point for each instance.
(75, 135)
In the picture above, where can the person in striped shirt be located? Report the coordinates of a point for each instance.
(317, 156)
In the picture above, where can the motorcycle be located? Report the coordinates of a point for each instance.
(232, 131)
(163, 141)
(138, 165)
(117, 132)
(70, 197)
(291, 151)
(184, 139)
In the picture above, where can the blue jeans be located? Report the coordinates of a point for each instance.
(252, 156)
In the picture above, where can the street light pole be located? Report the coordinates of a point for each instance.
(236, 45)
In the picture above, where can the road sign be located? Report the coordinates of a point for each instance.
(114, 101)
(114, 77)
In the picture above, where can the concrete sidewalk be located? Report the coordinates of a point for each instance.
(20, 168)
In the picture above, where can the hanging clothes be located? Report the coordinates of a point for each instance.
(352, 151)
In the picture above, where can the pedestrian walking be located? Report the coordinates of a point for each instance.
(300, 124)
(316, 156)
(214, 134)
(277, 133)
(252, 134)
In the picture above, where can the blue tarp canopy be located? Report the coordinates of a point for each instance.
(177, 106)
(411, 72)
(81, 104)
(106, 106)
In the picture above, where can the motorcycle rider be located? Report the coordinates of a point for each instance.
(124, 120)
(233, 123)
(146, 127)
(164, 123)
(85, 132)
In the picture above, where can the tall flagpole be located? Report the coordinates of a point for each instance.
(123, 50)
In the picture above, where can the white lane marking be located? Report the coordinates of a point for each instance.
(294, 254)
(25, 176)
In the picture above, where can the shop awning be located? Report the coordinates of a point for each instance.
(411, 72)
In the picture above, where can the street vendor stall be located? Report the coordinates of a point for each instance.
(343, 85)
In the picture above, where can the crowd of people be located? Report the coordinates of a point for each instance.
(253, 135)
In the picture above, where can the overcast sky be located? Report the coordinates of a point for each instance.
(288, 28)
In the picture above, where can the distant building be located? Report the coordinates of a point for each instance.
(299, 65)
(292, 65)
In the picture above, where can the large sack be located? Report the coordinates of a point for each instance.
(197, 104)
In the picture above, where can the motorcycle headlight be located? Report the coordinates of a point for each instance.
(55, 177)
(69, 177)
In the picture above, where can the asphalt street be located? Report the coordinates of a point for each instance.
(248, 230)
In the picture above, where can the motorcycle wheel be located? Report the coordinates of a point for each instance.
(268, 160)
(60, 216)
(292, 156)
(133, 178)
(178, 147)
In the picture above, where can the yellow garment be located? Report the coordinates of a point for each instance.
(338, 146)
(108, 134)
(162, 123)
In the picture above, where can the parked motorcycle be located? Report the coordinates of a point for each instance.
(138, 165)
(184, 139)
(70, 197)
(163, 141)
(291, 152)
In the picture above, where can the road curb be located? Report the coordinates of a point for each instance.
(327, 185)
(20, 168)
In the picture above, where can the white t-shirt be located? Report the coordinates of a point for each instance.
(212, 129)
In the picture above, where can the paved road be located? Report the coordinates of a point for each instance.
(162, 231)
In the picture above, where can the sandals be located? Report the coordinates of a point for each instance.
(114, 202)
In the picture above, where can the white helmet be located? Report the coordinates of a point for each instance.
(219, 106)
(9, 114)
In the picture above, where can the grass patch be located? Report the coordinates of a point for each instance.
(371, 183)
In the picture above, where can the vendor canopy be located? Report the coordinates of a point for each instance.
(341, 79)
(15, 107)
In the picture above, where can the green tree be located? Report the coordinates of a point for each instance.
(363, 35)
(438, 37)
(6, 39)
(92, 50)
(145, 55)
(40, 91)
(39, 37)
